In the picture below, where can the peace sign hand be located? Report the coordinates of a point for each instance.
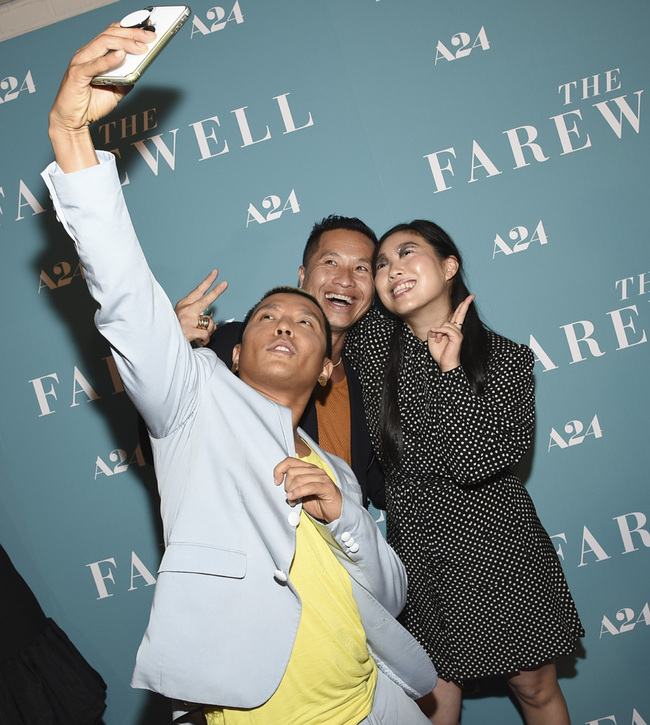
(445, 342)
(191, 309)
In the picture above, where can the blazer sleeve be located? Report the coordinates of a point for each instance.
(357, 542)
(160, 371)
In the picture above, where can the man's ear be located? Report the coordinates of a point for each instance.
(301, 276)
(328, 369)
(236, 351)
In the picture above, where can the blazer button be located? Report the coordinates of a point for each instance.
(354, 548)
(346, 536)
(294, 517)
(280, 575)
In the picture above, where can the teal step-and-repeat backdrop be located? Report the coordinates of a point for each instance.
(518, 126)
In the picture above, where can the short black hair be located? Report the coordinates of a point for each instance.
(293, 291)
(331, 223)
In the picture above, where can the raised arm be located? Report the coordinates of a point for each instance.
(160, 372)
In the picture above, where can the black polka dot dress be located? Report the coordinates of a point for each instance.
(487, 594)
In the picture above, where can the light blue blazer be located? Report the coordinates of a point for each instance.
(225, 613)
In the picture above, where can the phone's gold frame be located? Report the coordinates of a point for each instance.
(119, 79)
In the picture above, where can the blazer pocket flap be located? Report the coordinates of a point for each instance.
(197, 559)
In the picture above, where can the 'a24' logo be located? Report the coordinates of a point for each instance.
(62, 275)
(519, 235)
(274, 204)
(628, 618)
(574, 429)
(121, 460)
(9, 85)
(462, 41)
(216, 16)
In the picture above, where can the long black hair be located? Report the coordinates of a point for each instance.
(474, 352)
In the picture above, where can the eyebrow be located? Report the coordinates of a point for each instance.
(366, 260)
(302, 310)
(268, 306)
(402, 245)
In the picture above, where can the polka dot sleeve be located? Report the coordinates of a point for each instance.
(482, 435)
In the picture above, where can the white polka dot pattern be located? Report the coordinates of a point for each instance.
(487, 594)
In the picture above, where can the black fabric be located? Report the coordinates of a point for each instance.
(44, 680)
(487, 594)
(21, 617)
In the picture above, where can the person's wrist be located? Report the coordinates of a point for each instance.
(447, 368)
(58, 130)
(73, 148)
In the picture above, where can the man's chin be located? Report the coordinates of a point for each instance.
(341, 325)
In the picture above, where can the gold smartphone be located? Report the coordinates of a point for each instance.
(165, 21)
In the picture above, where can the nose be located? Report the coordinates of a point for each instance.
(344, 276)
(394, 271)
(284, 328)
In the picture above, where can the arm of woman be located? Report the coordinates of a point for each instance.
(483, 435)
(366, 344)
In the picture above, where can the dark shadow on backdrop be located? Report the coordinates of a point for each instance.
(524, 467)
(156, 711)
(74, 304)
(141, 99)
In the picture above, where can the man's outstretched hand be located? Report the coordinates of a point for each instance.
(78, 103)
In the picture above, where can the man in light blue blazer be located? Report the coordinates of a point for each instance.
(235, 493)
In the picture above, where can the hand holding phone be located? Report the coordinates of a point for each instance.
(165, 21)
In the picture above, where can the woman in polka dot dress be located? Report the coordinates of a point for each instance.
(451, 409)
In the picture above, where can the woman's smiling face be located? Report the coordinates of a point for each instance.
(409, 275)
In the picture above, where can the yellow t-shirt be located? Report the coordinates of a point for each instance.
(331, 677)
